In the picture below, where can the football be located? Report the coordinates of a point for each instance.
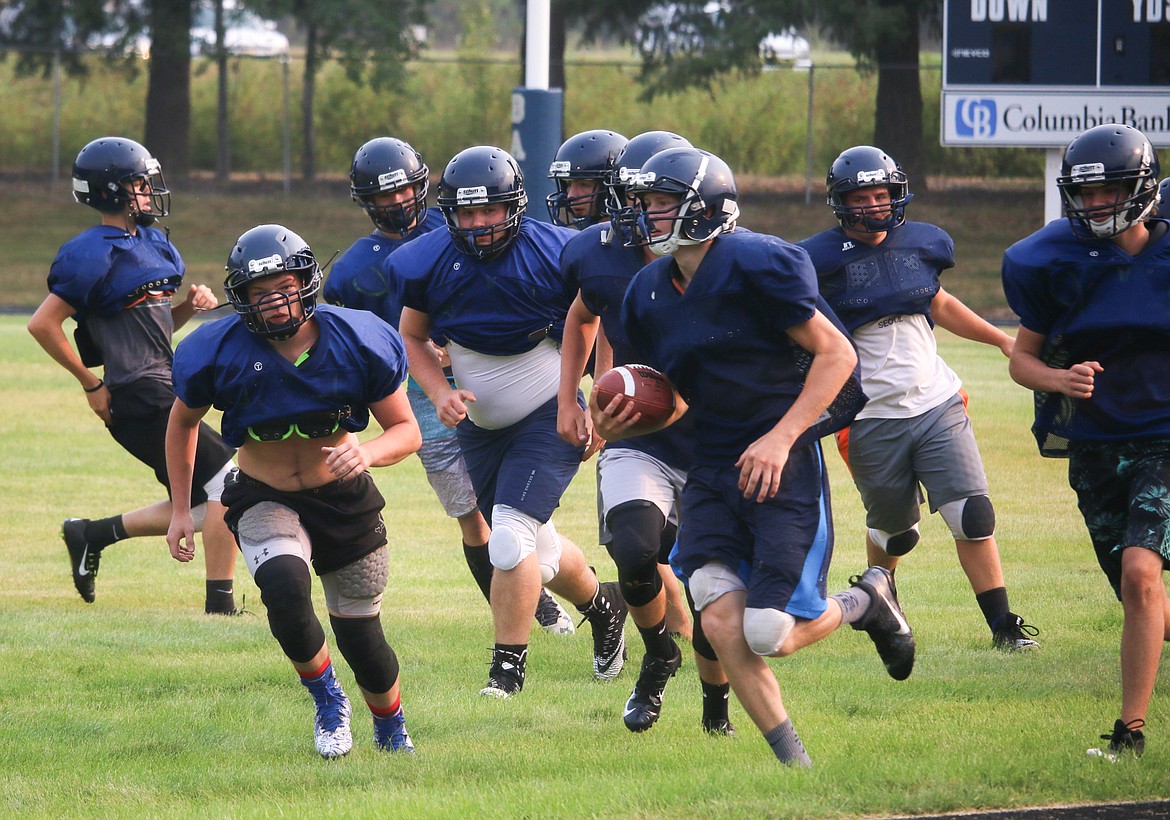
(651, 392)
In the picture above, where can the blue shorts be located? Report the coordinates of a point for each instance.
(786, 541)
(527, 466)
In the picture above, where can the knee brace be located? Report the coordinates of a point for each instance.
(516, 535)
(666, 542)
(637, 529)
(766, 630)
(712, 581)
(699, 641)
(970, 519)
(286, 590)
(364, 647)
(898, 543)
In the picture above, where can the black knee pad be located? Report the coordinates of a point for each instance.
(978, 517)
(363, 645)
(637, 528)
(666, 542)
(286, 589)
(699, 641)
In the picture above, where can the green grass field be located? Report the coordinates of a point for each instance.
(141, 705)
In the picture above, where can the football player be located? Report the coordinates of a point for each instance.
(1091, 292)
(490, 291)
(389, 179)
(122, 282)
(582, 166)
(734, 320)
(639, 479)
(296, 382)
(880, 274)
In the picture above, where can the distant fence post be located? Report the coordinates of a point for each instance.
(56, 139)
(287, 126)
(808, 139)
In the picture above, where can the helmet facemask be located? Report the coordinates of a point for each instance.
(399, 218)
(576, 211)
(298, 306)
(694, 222)
(1136, 198)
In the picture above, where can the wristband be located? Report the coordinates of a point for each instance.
(101, 383)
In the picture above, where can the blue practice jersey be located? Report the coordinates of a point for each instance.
(723, 341)
(501, 307)
(1094, 302)
(864, 283)
(602, 270)
(120, 286)
(358, 279)
(102, 270)
(358, 359)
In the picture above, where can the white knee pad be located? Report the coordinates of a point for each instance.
(712, 581)
(548, 551)
(267, 530)
(516, 535)
(766, 629)
(894, 543)
(969, 519)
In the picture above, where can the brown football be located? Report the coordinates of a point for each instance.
(651, 392)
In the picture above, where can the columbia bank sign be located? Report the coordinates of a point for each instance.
(1039, 72)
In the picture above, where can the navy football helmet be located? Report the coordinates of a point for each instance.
(385, 165)
(107, 165)
(708, 195)
(630, 161)
(861, 167)
(589, 155)
(264, 251)
(1104, 155)
(1163, 206)
(483, 175)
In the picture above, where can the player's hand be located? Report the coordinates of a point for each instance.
(201, 297)
(181, 537)
(761, 466)
(99, 403)
(610, 422)
(574, 425)
(1079, 379)
(347, 459)
(452, 408)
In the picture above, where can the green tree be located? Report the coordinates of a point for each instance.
(371, 39)
(48, 30)
(697, 42)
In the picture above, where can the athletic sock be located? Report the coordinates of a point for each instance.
(381, 713)
(854, 603)
(102, 532)
(322, 684)
(480, 564)
(221, 599)
(787, 746)
(715, 698)
(994, 603)
(658, 641)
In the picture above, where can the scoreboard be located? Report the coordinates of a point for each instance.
(1038, 72)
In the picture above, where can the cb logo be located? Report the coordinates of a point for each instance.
(975, 118)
